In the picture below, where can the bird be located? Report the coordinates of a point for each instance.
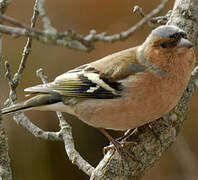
(123, 90)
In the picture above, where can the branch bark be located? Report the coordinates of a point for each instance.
(151, 143)
(5, 170)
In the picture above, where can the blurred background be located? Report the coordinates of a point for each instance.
(32, 158)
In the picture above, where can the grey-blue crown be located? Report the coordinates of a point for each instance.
(167, 31)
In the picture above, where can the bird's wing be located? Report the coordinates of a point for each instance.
(81, 85)
(100, 79)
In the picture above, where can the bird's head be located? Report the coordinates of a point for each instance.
(168, 37)
(163, 44)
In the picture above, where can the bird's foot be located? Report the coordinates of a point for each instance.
(119, 147)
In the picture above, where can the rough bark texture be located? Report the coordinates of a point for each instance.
(151, 143)
(5, 170)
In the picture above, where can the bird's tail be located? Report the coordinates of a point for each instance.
(14, 108)
(36, 101)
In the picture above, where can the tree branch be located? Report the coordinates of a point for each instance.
(5, 170)
(46, 20)
(28, 46)
(14, 82)
(23, 121)
(70, 38)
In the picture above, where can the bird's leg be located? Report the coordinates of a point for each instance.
(117, 145)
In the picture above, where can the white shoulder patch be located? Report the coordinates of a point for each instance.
(93, 89)
(95, 78)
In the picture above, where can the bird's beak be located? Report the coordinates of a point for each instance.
(184, 43)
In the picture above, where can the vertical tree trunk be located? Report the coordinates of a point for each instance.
(5, 170)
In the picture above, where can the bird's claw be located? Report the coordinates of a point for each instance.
(119, 147)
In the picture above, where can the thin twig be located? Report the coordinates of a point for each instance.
(46, 20)
(41, 75)
(131, 30)
(66, 40)
(20, 24)
(13, 82)
(74, 156)
(23, 121)
(66, 135)
(138, 9)
(12, 96)
(70, 38)
(8, 71)
(28, 46)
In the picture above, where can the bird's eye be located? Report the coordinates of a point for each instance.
(183, 35)
(163, 44)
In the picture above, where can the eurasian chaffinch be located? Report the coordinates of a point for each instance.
(124, 90)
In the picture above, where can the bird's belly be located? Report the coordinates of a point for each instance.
(122, 114)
